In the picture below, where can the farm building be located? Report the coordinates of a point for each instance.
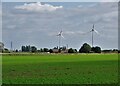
(55, 50)
(62, 51)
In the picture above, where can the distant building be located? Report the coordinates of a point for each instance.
(55, 50)
(62, 51)
(1, 46)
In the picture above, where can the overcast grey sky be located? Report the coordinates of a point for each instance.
(39, 23)
(59, 0)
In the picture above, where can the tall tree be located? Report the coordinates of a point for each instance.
(97, 49)
(23, 48)
(70, 50)
(46, 50)
(28, 48)
(86, 48)
(33, 49)
(51, 51)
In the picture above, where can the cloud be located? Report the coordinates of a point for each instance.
(38, 7)
(80, 6)
(75, 23)
(88, 6)
(67, 33)
(74, 32)
(109, 0)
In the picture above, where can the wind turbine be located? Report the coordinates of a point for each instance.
(60, 35)
(92, 31)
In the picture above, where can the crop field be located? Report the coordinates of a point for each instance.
(60, 69)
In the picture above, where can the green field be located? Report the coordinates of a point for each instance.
(60, 69)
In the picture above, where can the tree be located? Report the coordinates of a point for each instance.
(86, 48)
(38, 51)
(63, 48)
(107, 51)
(46, 50)
(96, 49)
(51, 51)
(72, 50)
(75, 50)
(16, 50)
(118, 51)
(23, 48)
(59, 50)
(28, 48)
(33, 49)
(92, 49)
(115, 50)
(41, 50)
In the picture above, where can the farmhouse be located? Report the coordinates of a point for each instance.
(55, 50)
(62, 51)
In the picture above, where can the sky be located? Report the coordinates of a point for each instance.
(60, 0)
(0, 21)
(38, 23)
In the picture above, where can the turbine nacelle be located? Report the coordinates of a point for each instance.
(60, 34)
(94, 30)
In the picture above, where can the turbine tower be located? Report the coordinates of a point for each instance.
(11, 45)
(60, 35)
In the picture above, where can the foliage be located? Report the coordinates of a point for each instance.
(86, 48)
(96, 49)
(45, 49)
(51, 51)
(16, 50)
(72, 50)
(28, 48)
(41, 50)
(33, 49)
(63, 48)
(107, 51)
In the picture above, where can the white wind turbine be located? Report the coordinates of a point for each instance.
(59, 36)
(92, 31)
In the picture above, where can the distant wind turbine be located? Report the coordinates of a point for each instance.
(92, 31)
(60, 35)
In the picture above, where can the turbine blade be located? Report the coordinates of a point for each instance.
(60, 32)
(62, 36)
(90, 31)
(96, 31)
(93, 26)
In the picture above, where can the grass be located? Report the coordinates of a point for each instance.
(60, 69)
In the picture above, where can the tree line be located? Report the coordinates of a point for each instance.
(85, 48)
